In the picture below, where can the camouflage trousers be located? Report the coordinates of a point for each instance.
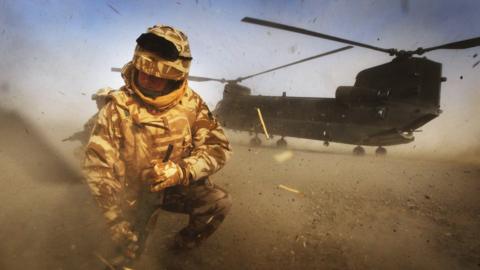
(205, 203)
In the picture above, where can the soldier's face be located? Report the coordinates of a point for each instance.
(151, 83)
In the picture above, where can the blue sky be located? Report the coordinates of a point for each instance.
(222, 45)
(59, 52)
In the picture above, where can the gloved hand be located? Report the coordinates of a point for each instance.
(125, 238)
(167, 174)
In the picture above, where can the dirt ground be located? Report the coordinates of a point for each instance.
(352, 213)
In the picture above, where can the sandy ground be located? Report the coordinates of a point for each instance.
(352, 213)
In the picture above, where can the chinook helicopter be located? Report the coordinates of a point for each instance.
(384, 107)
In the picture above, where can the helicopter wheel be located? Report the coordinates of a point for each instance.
(380, 151)
(255, 141)
(358, 151)
(326, 143)
(282, 143)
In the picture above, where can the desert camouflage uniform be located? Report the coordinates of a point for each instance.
(130, 133)
(100, 97)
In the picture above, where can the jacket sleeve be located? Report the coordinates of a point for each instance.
(102, 160)
(211, 148)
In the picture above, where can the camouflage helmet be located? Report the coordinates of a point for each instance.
(164, 52)
(102, 93)
(102, 96)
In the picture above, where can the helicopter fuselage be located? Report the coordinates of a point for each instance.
(385, 106)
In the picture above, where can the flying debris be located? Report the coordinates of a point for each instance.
(113, 8)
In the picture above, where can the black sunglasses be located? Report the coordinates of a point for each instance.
(160, 46)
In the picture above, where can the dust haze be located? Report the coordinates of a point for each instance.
(416, 208)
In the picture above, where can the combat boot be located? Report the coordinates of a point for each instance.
(187, 239)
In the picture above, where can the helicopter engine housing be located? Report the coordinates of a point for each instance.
(234, 89)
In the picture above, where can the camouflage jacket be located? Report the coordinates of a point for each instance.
(129, 134)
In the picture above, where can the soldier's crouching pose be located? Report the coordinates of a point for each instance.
(153, 146)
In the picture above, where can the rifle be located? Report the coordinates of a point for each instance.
(147, 205)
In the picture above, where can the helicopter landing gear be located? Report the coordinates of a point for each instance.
(281, 143)
(255, 141)
(358, 151)
(326, 143)
(380, 151)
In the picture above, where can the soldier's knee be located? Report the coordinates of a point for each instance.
(223, 200)
(226, 202)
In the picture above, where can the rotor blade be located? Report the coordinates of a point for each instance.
(191, 78)
(463, 44)
(311, 33)
(204, 79)
(296, 62)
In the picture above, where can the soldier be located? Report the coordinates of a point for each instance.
(100, 97)
(153, 146)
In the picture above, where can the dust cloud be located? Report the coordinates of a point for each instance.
(292, 209)
(416, 208)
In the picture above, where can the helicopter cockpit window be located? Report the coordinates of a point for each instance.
(383, 93)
